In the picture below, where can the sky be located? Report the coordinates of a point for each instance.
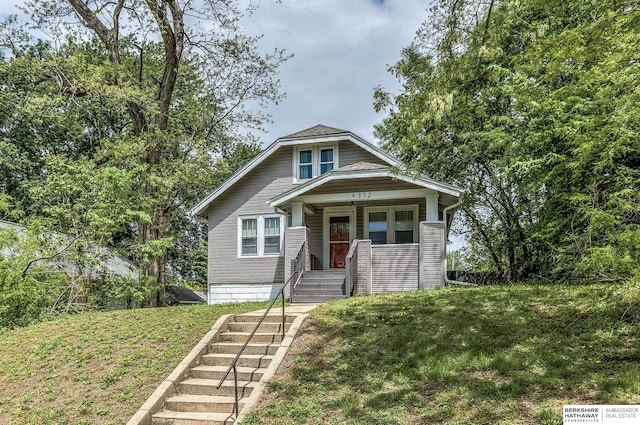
(341, 48)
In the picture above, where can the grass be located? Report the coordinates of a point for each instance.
(491, 355)
(96, 368)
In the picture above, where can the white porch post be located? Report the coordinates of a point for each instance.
(432, 207)
(297, 214)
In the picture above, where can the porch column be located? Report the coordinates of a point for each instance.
(297, 214)
(432, 207)
(432, 254)
(364, 267)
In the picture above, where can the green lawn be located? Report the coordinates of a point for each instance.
(491, 355)
(96, 368)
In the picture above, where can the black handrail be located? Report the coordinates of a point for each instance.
(297, 267)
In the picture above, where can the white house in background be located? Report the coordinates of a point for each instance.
(338, 202)
(106, 265)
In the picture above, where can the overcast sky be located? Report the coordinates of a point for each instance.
(341, 48)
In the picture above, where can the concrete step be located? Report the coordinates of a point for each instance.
(201, 403)
(334, 272)
(216, 372)
(250, 326)
(320, 281)
(246, 360)
(195, 386)
(325, 284)
(192, 418)
(315, 299)
(318, 291)
(273, 317)
(258, 348)
(270, 337)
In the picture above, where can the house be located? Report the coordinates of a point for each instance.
(103, 263)
(341, 207)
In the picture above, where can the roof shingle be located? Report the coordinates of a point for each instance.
(315, 131)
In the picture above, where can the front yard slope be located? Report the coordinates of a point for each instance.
(97, 368)
(492, 355)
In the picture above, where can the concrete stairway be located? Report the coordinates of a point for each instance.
(318, 286)
(197, 401)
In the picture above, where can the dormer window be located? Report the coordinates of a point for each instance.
(313, 161)
(305, 158)
(326, 160)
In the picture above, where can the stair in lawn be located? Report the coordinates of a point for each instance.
(319, 286)
(197, 400)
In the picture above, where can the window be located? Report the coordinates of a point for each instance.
(260, 235)
(272, 235)
(393, 225)
(314, 161)
(378, 227)
(326, 160)
(249, 236)
(404, 226)
(306, 164)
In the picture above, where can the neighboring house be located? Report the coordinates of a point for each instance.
(105, 263)
(338, 202)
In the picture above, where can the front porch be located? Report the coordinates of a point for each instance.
(369, 268)
(385, 229)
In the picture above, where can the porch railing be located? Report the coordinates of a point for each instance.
(297, 267)
(351, 268)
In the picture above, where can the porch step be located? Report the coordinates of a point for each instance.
(197, 400)
(319, 286)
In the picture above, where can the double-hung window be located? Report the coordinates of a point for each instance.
(326, 160)
(313, 161)
(305, 164)
(260, 235)
(391, 225)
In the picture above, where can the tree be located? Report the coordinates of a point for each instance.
(517, 103)
(166, 116)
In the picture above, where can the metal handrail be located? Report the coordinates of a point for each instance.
(297, 267)
(351, 268)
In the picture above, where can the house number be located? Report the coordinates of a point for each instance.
(361, 195)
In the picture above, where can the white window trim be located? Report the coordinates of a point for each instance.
(391, 218)
(315, 160)
(260, 223)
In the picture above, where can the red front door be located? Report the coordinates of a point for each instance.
(339, 235)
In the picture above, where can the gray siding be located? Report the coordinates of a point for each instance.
(294, 236)
(394, 268)
(431, 255)
(348, 154)
(248, 196)
(315, 223)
